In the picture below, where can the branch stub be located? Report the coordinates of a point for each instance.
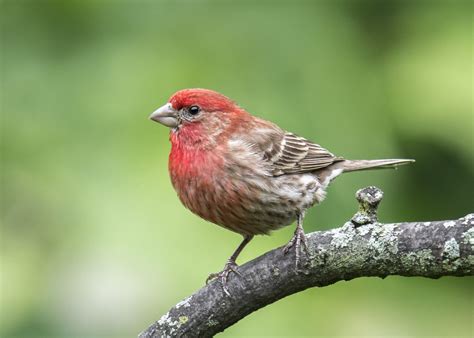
(369, 199)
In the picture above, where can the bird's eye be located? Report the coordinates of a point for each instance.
(194, 110)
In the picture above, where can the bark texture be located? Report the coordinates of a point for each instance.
(362, 247)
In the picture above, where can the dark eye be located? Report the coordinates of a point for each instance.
(193, 110)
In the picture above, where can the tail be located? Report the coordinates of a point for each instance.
(354, 165)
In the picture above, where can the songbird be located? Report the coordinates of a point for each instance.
(244, 173)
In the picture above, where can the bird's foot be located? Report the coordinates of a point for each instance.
(229, 267)
(296, 241)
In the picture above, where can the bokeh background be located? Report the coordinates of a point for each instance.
(94, 241)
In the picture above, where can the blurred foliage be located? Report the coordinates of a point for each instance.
(94, 241)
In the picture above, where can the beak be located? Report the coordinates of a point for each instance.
(166, 115)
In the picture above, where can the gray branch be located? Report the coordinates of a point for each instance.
(360, 248)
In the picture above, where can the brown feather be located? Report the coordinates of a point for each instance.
(298, 155)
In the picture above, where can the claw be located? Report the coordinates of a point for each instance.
(229, 267)
(296, 241)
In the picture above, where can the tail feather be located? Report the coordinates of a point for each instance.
(354, 165)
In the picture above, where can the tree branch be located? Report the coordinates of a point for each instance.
(361, 247)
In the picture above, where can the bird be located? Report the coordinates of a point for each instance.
(244, 173)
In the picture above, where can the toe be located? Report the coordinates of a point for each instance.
(223, 276)
(289, 245)
(211, 277)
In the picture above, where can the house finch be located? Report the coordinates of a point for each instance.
(244, 173)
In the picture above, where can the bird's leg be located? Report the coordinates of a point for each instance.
(230, 266)
(297, 239)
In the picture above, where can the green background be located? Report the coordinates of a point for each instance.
(94, 241)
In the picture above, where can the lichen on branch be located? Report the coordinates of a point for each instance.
(361, 247)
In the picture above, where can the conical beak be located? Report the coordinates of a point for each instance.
(166, 115)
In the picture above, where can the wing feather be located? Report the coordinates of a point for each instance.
(282, 152)
(295, 154)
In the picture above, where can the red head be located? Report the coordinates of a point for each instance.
(198, 115)
(207, 100)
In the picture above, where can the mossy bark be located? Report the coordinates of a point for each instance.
(424, 249)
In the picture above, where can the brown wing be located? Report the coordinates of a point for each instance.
(290, 154)
(282, 152)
